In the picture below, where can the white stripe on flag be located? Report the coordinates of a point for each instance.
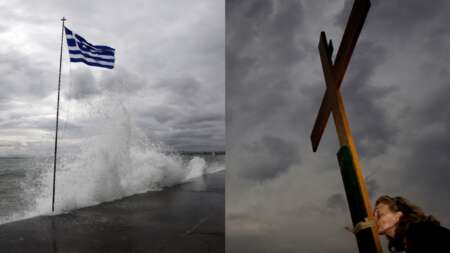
(91, 54)
(79, 56)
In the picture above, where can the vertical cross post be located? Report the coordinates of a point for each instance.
(354, 183)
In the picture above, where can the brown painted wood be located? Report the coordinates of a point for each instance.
(351, 34)
(346, 138)
(353, 28)
(321, 121)
(368, 240)
(355, 199)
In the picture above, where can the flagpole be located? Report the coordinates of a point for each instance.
(57, 115)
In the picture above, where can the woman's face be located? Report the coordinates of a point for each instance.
(386, 219)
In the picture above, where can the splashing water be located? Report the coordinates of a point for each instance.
(117, 161)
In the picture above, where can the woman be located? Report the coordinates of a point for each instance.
(408, 228)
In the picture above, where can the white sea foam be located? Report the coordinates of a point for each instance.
(115, 162)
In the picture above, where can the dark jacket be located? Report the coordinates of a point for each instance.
(426, 236)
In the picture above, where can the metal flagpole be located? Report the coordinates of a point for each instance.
(57, 116)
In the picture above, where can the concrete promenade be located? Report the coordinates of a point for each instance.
(185, 218)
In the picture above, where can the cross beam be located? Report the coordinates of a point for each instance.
(348, 43)
(355, 187)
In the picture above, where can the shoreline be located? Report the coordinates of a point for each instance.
(190, 214)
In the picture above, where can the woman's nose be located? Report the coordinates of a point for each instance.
(375, 215)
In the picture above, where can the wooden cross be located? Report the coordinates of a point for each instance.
(354, 184)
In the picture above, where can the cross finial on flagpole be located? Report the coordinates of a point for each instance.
(63, 19)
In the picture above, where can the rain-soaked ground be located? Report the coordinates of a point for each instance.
(186, 218)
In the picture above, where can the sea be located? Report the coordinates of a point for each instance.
(92, 176)
(107, 156)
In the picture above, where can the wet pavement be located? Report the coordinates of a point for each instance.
(185, 218)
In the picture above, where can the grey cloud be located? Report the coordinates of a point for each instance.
(121, 81)
(372, 187)
(402, 19)
(337, 201)
(203, 130)
(268, 158)
(82, 85)
(206, 120)
(169, 67)
(186, 90)
(362, 95)
(258, 83)
(163, 113)
(430, 148)
(395, 95)
(436, 110)
(22, 76)
(197, 141)
(397, 19)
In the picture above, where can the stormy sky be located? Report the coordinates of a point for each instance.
(282, 197)
(168, 79)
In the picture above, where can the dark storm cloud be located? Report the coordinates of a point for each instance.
(200, 131)
(425, 121)
(199, 140)
(191, 113)
(83, 85)
(268, 158)
(16, 13)
(250, 26)
(372, 187)
(21, 75)
(402, 19)
(162, 113)
(122, 81)
(395, 92)
(186, 89)
(201, 120)
(169, 68)
(363, 99)
(430, 146)
(337, 201)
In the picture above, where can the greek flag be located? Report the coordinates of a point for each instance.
(93, 55)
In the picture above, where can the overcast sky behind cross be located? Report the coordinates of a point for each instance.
(169, 71)
(282, 197)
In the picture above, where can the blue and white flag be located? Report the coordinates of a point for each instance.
(93, 55)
